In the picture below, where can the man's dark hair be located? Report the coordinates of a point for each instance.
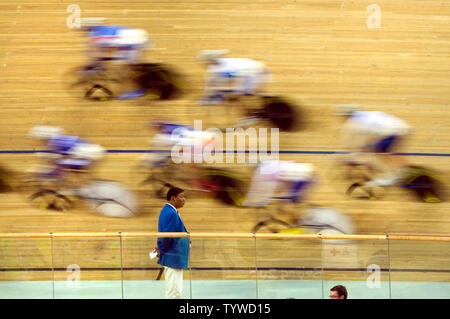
(341, 290)
(173, 191)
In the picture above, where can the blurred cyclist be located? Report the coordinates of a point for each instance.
(114, 43)
(66, 154)
(109, 42)
(279, 180)
(230, 76)
(374, 133)
(182, 143)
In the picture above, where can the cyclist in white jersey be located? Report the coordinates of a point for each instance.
(279, 180)
(233, 76)
(375, 133)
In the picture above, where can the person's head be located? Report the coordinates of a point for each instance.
(338, 292)
(175, 197)
(210, 56)
(129, 37)
(86, 24)
(89, 151)
(44, 132)
(346, 110)
(293, 171)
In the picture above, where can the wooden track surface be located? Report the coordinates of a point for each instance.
(320, 54)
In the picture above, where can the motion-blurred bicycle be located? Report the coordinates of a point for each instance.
(313, 220)
(220, 184)
(427, 185)
(102, 82)
(108, 198)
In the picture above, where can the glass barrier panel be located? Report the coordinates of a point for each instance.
(141, 273)
(26, 268)
(289, 268)
(87, 268)
(222, 268)
(361, 266)
(420, 269)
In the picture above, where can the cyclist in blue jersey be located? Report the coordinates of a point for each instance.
(122, 45)
(66, 153)
(179, 142)
(115, 42)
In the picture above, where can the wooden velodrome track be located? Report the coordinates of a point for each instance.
(320, 54)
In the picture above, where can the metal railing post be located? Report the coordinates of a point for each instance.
(256, 265)
(121, 262)
(53, 266)
(189, 265)
(321, 264)
(389, 266)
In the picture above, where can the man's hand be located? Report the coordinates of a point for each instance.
(154, 253)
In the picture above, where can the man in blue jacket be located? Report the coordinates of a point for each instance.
(173, 252)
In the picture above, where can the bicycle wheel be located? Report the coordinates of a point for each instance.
(92, 84)
(280, 112)
(7, 180)
(274, 225)
(158, 80)
(228, 187)
(51, 199)
(157, 183)
(424, 184)
(350, 177)
(109, 198)
(164, 177)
